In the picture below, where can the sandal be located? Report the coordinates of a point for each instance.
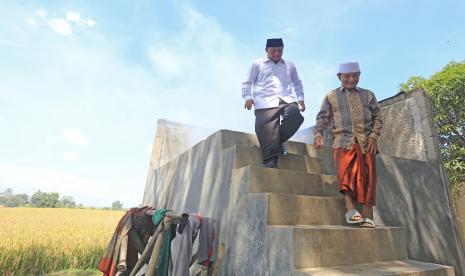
(367, 223)
(350, 217)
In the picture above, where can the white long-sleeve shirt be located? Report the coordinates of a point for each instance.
(267, 82)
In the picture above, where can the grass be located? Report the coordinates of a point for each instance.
(37, 241)
(76, 272)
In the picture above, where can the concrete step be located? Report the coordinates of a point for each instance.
(231, 138)
(246, 156)
(400, 267)
(326, 246)
(285, 209)
(266, 180)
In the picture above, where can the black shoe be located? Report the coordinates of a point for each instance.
(271, 163)
(283, 150)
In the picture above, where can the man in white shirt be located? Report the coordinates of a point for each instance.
(274, 88)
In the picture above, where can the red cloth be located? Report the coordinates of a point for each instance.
(356, 173)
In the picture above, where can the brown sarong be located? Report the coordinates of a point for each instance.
(356, 174)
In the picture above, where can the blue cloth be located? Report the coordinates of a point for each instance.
(159, 216)
(163, 261)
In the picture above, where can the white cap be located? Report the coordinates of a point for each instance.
(349, 67)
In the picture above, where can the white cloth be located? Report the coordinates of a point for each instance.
(267, 82)
(181, 246)
(349, 67)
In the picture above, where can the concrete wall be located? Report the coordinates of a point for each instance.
(414, 194)
(459, 205)
(197, 181)
(172, 139)
(408, 130)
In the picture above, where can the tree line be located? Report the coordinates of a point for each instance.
(45, 200)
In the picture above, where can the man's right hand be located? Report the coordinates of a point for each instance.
(318, 142)
(249, 104)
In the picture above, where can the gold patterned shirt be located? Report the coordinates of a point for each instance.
(354, 116)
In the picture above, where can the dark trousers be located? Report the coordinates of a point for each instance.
(275, 126)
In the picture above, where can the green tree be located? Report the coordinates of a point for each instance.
(67, 202)
(7, 192)
(446, 90)
(43, 199)
(5, 195)
(9, 199)
(17, 200)
(117, 205)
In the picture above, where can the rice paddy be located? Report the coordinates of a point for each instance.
(37, 241)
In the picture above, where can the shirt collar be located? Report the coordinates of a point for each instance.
(266, 59)
(341, 89)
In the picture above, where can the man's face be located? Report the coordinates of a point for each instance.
(275, 53)
(349, 80)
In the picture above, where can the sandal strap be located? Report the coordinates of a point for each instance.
(353, 212)
(369, 221)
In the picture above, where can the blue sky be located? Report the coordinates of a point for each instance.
(82, 83)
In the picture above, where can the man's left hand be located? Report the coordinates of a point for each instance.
(302, 106)
(372, 146)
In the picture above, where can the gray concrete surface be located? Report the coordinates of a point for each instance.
(204, 179)
(214, 177)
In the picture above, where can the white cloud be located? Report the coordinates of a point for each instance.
(31, 21)
(42, 13)
(89, 22)
(70, 155)
(74, 136)
(52, 139)
(73, 16)
(69, 25)
(61, 26)
(167, 60)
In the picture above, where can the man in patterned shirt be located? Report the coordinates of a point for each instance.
(356, 124)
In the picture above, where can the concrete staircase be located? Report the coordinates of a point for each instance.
(285, 221)
(304, 216)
